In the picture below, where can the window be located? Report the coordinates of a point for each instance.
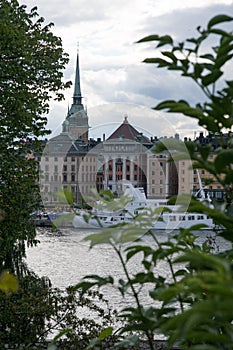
(153, 172)
(64, 178)
(72, 177)
(153, 182)
(55, 159)
(161, 190)
(72, 159)
(46, 168)
(161, 181)
(64, 167)
(46, 159)
(72, 167)
(55, 168)
(203, 171)
(161, 163)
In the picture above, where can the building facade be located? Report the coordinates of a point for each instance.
(66, 162)
(124, 157)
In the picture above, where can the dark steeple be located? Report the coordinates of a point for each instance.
(77, 97)
(76, 122)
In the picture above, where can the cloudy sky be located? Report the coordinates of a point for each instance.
(114, 81)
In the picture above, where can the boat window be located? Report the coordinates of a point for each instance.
(182, 218)
(172, 218)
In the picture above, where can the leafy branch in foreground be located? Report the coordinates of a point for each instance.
(205, 69)
(191, 305)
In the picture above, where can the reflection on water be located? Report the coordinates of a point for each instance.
(66, 258)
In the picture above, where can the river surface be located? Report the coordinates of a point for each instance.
(66, 258)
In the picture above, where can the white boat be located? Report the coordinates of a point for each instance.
(152, 214)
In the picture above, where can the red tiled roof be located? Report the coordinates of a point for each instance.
(127, 132)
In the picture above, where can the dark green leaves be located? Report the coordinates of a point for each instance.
(218, 19)
(162, 40)
(224, 160)
(204, 68)
(31, 74)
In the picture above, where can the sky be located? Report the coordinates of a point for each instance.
(114, 81)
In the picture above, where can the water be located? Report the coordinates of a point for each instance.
(65, 259)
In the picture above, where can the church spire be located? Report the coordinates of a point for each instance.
(77, 98)
(76, 122)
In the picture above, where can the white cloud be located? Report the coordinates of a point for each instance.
(110, 61)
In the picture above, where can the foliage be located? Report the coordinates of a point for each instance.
(37, 311)
(192, 305)
(8, 282)
(206, 69)
(31, 65)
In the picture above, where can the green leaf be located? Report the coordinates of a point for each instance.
(156, 60)
(208, 57)
(106, 333)
(224, 159)
(219, 19)
(164, 40)
(212, 77)
(8, 282)
(204, 151)
(149, 38)
(170, 55)
(90, 281)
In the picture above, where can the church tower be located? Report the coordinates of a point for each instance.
(76, 122)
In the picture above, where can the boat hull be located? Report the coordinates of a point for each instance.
(169, 222)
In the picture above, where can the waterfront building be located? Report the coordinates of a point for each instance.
(189, 178)
(124, 157)
(162, 175)
(66, 161)
(73, 161)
